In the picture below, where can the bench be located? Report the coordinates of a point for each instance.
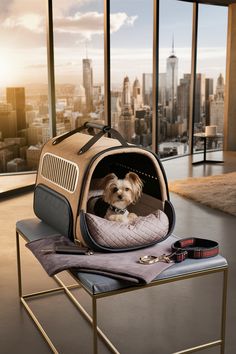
(98, 286)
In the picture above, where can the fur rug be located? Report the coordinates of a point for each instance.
(217, 192)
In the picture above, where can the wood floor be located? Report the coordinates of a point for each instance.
(168, 317)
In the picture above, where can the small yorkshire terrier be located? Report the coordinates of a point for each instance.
(119, 193)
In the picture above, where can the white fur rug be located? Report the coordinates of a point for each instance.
(217, 192)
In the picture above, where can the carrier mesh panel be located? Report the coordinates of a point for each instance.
(59, 171)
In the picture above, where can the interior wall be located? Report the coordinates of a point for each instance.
(230, 89)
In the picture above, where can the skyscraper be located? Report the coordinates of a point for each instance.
(162, 89)
(199, 98)
(147, 89)
(208, 94)
(88, 83)
(183, 99)
(137, 95)
(171, 83)
(16, 97)
(8, 123)
(217, 105)
(126, 122)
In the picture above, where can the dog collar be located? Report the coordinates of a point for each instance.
(118, 210)
(194, 248)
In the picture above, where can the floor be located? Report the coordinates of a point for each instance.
(169, 317)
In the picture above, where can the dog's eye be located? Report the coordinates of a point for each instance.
(127, 189)
(115, 189)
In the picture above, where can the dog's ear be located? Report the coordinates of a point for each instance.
(107, 179)
(137, 183)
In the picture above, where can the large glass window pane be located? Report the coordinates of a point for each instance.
(175, 37)
(79, 63)
(131, 69)
(210, 77)
(23, 84)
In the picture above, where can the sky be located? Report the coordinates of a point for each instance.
(78, 31)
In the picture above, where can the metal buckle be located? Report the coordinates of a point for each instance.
(148, 260)
(167, 258)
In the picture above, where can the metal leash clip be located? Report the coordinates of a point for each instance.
(167, 258)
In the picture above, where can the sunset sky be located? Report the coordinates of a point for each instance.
(79, 24)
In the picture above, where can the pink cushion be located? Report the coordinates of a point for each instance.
(145, 230)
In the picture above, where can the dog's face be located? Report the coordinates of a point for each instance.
(122, 192)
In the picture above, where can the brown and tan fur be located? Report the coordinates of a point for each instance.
(119, 193)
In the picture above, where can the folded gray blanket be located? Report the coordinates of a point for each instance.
(122, 265)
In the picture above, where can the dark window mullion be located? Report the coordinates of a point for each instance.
(155, 75)
(107, 64)
(51, 74)
(193, 75)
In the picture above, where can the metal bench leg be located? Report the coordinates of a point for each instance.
(18, 264)
(22, 299)
(95, 332)
(223, 318)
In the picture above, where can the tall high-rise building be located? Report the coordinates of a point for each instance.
(137, 95)
(147, 89)
(220, 88)
(172, 83)
(115, 108)
(16, 97)
(8, 123)
(217, 105)
(88, 83)
(199, 99)
(79, 99)
(208, 94)
(183, 99)
(126, 97)
(162, 89)
(126, 121)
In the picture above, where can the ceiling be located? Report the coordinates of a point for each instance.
(214, 2)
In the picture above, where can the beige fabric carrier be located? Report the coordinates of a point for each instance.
(70, 169)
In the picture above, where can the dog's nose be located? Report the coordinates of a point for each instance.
(120, 197)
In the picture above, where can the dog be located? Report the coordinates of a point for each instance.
(119, 194)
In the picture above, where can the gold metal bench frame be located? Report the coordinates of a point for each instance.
(93, 320)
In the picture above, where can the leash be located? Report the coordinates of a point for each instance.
(191, 247)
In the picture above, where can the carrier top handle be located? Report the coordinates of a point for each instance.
(91, 126)
(104, 130)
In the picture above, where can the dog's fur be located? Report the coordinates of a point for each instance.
(119, 193)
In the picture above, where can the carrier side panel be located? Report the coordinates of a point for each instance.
(62, 169)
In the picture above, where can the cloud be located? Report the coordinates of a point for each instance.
(83, 24)
(29, 21)
(90, 23)
(60, 7)
(120, 19)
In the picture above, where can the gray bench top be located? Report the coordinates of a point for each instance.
(34, 229)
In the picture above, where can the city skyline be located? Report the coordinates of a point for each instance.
(24, 123)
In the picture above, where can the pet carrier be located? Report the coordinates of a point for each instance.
(70, 171)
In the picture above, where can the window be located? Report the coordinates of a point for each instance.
(210, 77)
(79, 67)
(131, 69)
(23, 85)
(79, 74)
(174, 77)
